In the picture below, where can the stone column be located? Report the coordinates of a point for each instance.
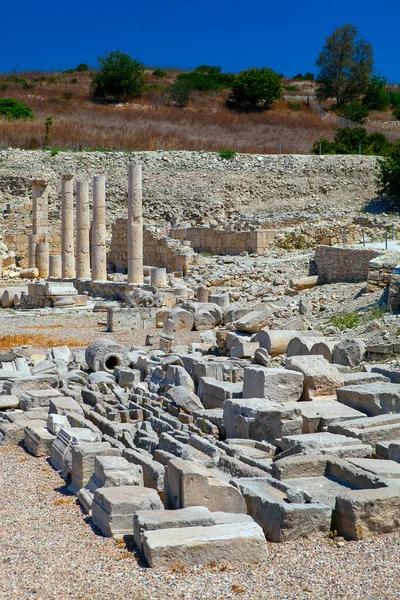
(39, 218)
(55, 268)
(67, 227)
(42, 259)
(158, 277)
(135, 225)
(99, 250)
(39, 208)
(82, 230)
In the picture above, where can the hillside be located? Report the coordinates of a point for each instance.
(149, 123)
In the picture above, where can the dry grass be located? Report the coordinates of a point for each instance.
(40, 341)
(150, 124)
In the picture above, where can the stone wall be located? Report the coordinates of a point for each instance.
(380, 270)
(343, 264)
(219, 241)
(394, 289)
(158, 250)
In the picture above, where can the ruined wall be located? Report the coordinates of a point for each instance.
(343, 264)
(158, 250)
(219, 241)
(380, 270)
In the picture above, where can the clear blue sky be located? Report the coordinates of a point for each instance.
(284, 35)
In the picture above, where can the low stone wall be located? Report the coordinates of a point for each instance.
(343, 264)
(394, 289)
(219, 241)
(158, 250)
(380, 270)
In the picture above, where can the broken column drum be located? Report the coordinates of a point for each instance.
(82, 230)
(158, 277)
(105, 355)
(42, 259)
(55, 266)
(99, 250)
(67, 228)
(135, 225)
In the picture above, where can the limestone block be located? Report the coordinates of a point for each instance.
(64, 406)
(359, 513)
(321, 412)
(323, 348)
(320, 377)
(370, 430)
(277, 385)
(38, 440)
(38, 398)
(349, 352)
(260, 419)
(114, 507)
(182, 319)
(372, 399)
(244, 349)
(276, 341)
(234, 543)
(185, 399)
(82, 461)
(302, 345)
(153, 471)
(213, 392)
(323, 443)
(253, 321)
(8, 401)
(189, 484)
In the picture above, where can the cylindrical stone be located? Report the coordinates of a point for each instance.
(135, 225)
(29, 273)
(39, 206)
(82, 230)
(55, 266)
(67, 227)
(99, 250)
(202, 293)
(158, 277)
(42, 259)
(32, 243)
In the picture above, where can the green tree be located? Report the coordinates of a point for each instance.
(179, 92)
(12, 109)
(345, 66)
(355, 111)
(388, 178)
(257, 88)
(377, 97)
(120, 77)
(82, 67)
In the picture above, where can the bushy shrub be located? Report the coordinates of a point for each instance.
(377, 97)
(294, 105)
(388, 178)
(306, 77)
(206, 78)
(179, 92)
(355, 111)
(120, 77)
(354, 141)
(227, 154)
(12, 109)
(396, 113)
(257, 88)
(159, 72)
(82, 67)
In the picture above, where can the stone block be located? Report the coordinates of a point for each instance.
(113, 508)
(277, 385)
(213, 392)
(320, 377)
(369, 430)
(38, 440)
(373, 399)
(82, 461)
(321, 412)
(323, 443)
(190, 484)
(234, 543)
(38, 398)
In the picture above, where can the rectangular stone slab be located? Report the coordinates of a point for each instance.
(113, 508)
(373, 399)
(234, 543)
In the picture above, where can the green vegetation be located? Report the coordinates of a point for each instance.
(120, 77)
(179, 93)
(345, 66)
(48, 123)
(291, 88)
(355, 140)
(159, 73)
(355, 111)
(294, 105)
(388, 178)
(227, 154)
(376, 96)
(206, 78)
(82, 67)
(257, 88)
(12, 109)
(354, 319)
(306, 77)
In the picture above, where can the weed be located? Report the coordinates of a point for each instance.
(294, 105)
(54, 152)
(238, 589)
(354, 319)
(227, 154)
(178, 567)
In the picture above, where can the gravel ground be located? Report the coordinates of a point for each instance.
(74, 329)
(49, 551)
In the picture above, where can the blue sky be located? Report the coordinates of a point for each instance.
(286, 36)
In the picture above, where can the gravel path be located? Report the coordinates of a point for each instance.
(49, 551)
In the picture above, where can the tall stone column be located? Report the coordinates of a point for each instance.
(99, 250)
(82, 230)
(39, 219)
(135, 225)
(67, 227)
